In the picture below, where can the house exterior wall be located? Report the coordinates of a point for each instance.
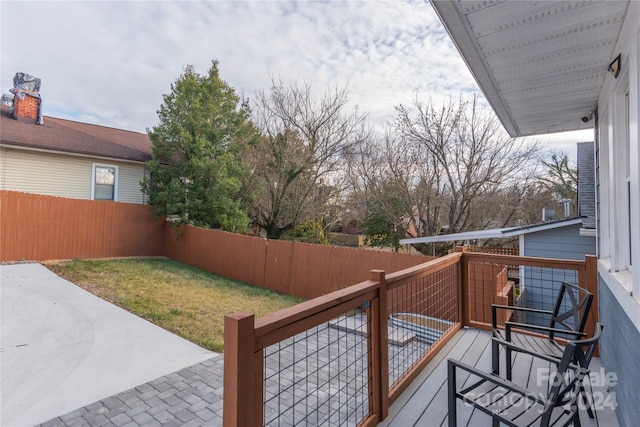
(560, 243)
(618, 157)
(64, 176)
(620, 347)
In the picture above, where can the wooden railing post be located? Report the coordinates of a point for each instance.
(589, 281)
(379, 348)
(463, 293)
(239, 406)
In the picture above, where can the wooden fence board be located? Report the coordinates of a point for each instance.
(293, 268)
(37, 228)
(277, 274)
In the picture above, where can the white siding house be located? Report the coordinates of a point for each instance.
(552, 66)
(70, 159)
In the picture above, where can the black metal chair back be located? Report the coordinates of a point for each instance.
(573, 303)
(574, 365)
(514, 405)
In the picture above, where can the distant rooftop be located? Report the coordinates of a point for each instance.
(72, 137)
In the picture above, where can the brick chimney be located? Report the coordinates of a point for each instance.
(26, 100)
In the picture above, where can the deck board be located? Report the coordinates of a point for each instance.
(405, 410)
(424, 402)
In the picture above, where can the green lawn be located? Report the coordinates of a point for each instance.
(182, 299)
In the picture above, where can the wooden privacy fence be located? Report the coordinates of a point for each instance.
(293, 268)
(34, 227)
(38, 228)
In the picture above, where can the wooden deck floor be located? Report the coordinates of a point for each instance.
(424, 403)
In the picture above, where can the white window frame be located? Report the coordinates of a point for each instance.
(616, 222)
(93, 179)
(619, 178)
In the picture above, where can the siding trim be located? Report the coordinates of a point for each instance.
(69, 153)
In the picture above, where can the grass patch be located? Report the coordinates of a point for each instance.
(184, 300)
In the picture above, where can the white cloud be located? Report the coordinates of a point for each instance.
(110, 62)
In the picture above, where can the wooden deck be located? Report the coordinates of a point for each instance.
(424, 403)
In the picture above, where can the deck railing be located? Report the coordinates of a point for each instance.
(520, 281)
(343, 358)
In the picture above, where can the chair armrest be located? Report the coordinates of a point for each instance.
(494, 307)
(515, 325)
(517, 308)
(494, 379)
(517, 348)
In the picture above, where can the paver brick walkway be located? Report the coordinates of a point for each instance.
(189, 397)
(332, 358)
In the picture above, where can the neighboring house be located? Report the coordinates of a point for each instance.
(72, 159)
(558, 239)
(556, 66)
(570, 238)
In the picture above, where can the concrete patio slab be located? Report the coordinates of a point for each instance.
(63, 348)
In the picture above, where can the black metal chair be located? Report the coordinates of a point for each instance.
(514, 405)
(568, 319)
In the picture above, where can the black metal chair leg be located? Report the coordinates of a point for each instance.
(587, 402)
(451, 379)
(495, 358)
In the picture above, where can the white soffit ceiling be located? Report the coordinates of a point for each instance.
(541, 64)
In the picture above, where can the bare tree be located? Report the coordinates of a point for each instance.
(560, 177)
(295, 166)
(472, 157)
(395, 181)
(443, 169)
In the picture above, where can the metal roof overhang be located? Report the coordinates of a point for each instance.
(495, 233)
(540, 64)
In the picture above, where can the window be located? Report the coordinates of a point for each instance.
(627, 154)
(104, 184)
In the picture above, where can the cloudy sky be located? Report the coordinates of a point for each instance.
(109, 62)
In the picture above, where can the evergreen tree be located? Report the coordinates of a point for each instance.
(196, 169)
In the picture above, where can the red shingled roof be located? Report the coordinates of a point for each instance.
(74, 137)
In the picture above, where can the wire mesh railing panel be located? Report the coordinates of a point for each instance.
(522, 286)
(420, 313)
(320, 376)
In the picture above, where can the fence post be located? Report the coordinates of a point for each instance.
(239, 377)
(379, 348)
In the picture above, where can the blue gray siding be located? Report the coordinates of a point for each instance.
(587, 184)
(619, 350)
(543, 284)
(560, 243)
